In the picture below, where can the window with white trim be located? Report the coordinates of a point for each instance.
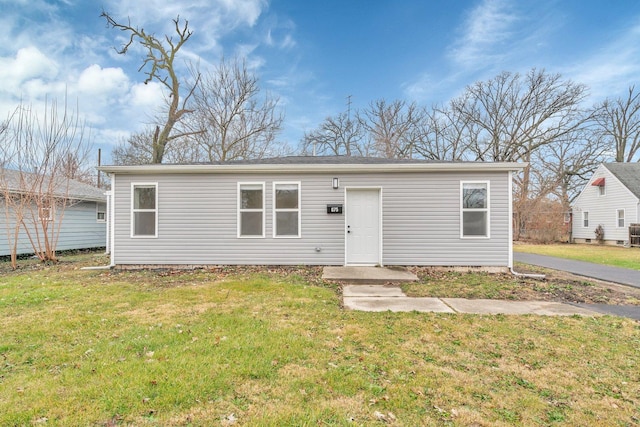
(251, 209)
(474, 207)
(45, 211)
(585, 219)
(101, 212)
(286, 209)
(144, 210)
(620, 218)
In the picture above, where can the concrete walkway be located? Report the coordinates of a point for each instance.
(624, 276)
(391, 298)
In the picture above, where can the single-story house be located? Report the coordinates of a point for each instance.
(611, 199)
(81, 224)
(332, 210)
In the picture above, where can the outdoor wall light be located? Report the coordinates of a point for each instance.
(335, 183)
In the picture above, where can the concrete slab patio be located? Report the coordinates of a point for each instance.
(368, 275)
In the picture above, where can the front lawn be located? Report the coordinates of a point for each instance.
(600, 254)
(242, 346)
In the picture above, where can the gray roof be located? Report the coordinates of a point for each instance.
(628, 174)
(328, 160)
(20, 182)
(301, 164)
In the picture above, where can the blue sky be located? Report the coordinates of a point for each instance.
(312, 54)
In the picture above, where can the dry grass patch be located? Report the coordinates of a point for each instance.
(557, 286)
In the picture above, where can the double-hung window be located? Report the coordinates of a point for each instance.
(620, 218)
(474, 207)
(286, 209)
(251, 209)
(585, 219)
(101, 212)
(144, 210)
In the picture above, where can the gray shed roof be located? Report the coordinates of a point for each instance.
(628, 174)
(63, 187)
(345, 164)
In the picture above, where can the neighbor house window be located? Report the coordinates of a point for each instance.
(144, 210)
(474, 200)
(251, 209)
(286, 209)
(45, 212)
(620, 216)
(101, 212)
(585, 219)
(601, 190)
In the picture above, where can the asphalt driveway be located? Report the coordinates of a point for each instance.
(623, 276)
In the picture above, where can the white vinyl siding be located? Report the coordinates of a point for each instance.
(620, 218)
(603, 210)
(198, 220)
(77, 229)
(286, 209)
(144, 210)
(474, 209)
(585, 219)
(251, 203)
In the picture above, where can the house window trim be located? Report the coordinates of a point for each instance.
(45, 206)
(602, 191)
(133, 211)
(103, 211)
(624, 218)
(585, 225)
(298, 210)
(487, 209)
(240, 210)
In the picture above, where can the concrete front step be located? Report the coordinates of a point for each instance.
(368, 275)
(372, 291)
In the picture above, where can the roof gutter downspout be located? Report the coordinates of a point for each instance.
(531, 275)
(515, 273)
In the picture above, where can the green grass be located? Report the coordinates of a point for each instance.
(275, 349)
(599, 254)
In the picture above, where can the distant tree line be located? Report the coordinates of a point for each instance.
(539, 118)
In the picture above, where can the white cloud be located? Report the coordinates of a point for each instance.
(419, 89)
(613, 67)
(28, 63)
(486, 28)
(102, 82)
(146, 97)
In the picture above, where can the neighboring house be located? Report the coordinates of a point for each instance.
(82, 224)
(313, 210)
(610, 199)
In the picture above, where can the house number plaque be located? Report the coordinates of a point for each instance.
(334, 209)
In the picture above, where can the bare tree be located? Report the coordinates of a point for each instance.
(38, 148)
(231, 119)
(445, 136)
(338, 136)
(619, 124)
(393, 127)
(159, 66)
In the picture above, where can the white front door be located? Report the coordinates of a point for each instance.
(363, 227)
